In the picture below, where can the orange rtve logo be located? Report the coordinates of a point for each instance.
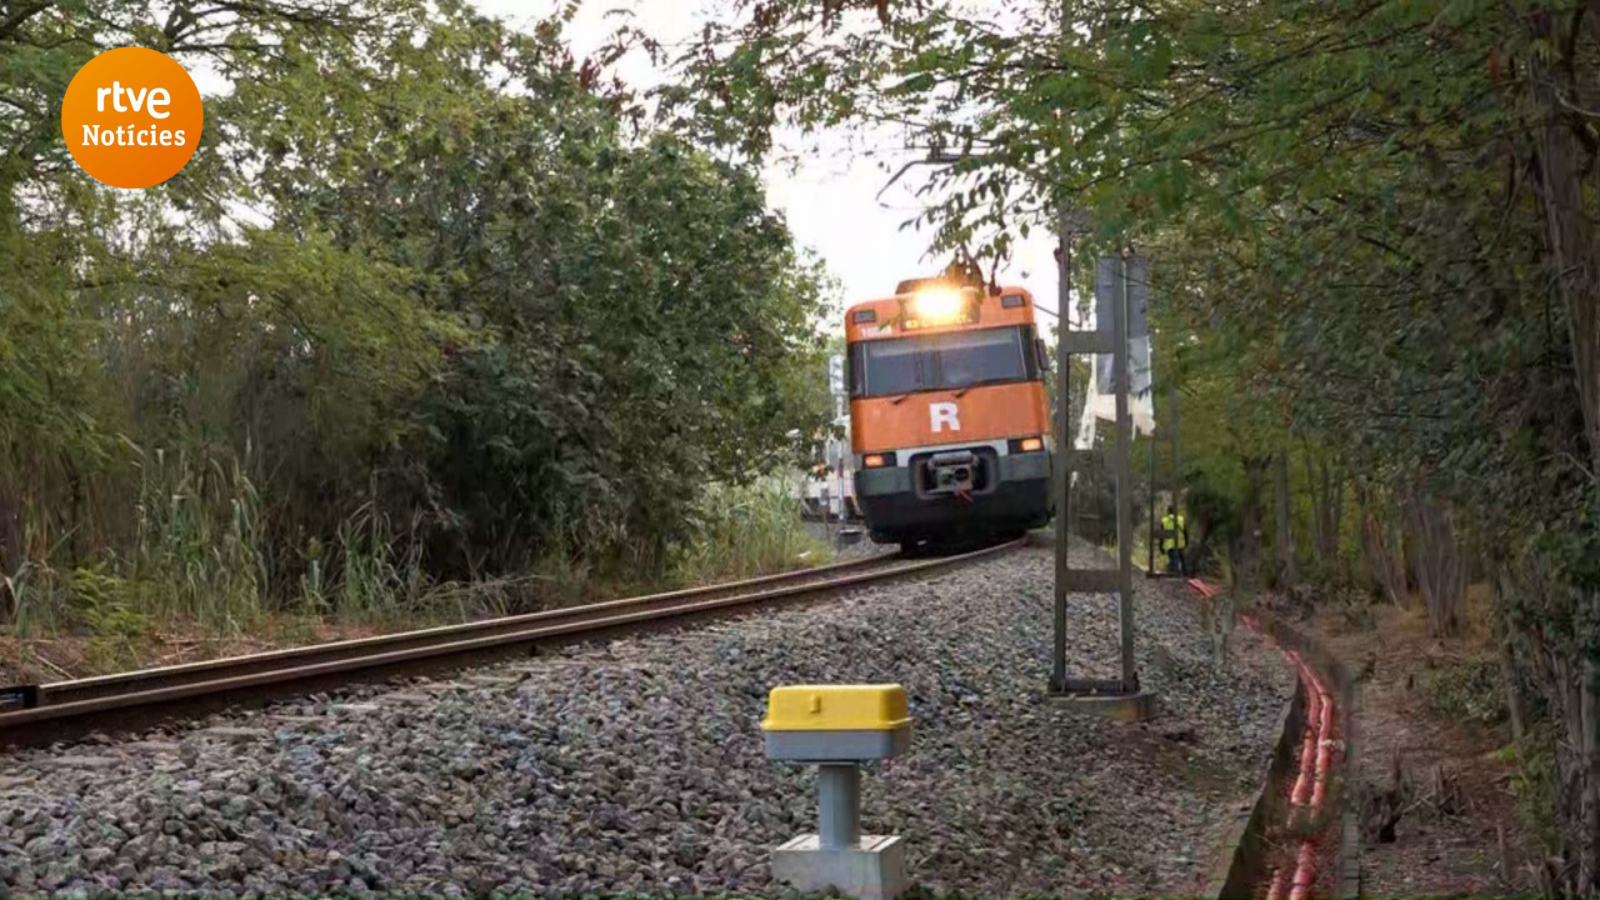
(132, 117)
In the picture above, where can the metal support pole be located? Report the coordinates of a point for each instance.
(839, 806)
(1150, 563)
(1177, 470)
(1058, 670)
(1119, 362)
(1125, 698)
(827, 517)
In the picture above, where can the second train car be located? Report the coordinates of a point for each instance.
(950, 423)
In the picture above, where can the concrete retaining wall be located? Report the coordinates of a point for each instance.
(1240, 866)
(1243, 861)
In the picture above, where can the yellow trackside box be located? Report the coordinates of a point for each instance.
(837, 722)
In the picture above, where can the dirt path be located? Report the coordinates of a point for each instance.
(1457, 801)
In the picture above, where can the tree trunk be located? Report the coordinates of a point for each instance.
(74, 525)
(1589, 717)
(1335, 507)
(1505, 595)
(1574, 702)
(1381, 543)
(1285, 532)
(1255, 471)
(1327, 505)
(1576, 262)
(12, 552)
(1436, 560)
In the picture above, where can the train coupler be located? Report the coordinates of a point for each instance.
(955, 472)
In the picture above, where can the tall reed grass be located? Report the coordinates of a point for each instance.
(199, 553)
(199, 557)
(746, 531)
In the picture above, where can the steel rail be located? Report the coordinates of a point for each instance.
(143, 699)
(216, 669)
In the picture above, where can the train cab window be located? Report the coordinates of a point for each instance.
(895, 367)
(976, 357)
(942, 361)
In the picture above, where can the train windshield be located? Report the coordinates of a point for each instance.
(941, 361)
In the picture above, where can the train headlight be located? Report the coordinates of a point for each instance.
(939, 304)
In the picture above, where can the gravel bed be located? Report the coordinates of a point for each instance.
(637, 766)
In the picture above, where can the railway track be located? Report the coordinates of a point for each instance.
(36, 715)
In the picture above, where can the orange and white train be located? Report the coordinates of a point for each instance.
(949, 419)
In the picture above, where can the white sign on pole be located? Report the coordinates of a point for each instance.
(1106, 292)
(836, 385)
(1107, 288)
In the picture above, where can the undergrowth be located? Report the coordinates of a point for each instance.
(743, 532)
(1468, 691)
(1471, 690)
(198, 565)
(1532, 762)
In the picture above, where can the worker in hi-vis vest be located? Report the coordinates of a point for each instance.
(1175, 538)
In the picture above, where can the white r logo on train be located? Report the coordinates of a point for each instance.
(942, 415)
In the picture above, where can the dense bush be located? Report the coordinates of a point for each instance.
(424, 306)
(1468, 691)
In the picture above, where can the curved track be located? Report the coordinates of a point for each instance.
(70, 709)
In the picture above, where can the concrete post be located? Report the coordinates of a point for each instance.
(839, 727)
(839, 806)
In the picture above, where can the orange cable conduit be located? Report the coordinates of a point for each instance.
(1316, 763)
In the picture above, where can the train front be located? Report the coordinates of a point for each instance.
(948, 412)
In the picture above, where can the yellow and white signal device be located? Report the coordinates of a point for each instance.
(839, 726)
(837, 722)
